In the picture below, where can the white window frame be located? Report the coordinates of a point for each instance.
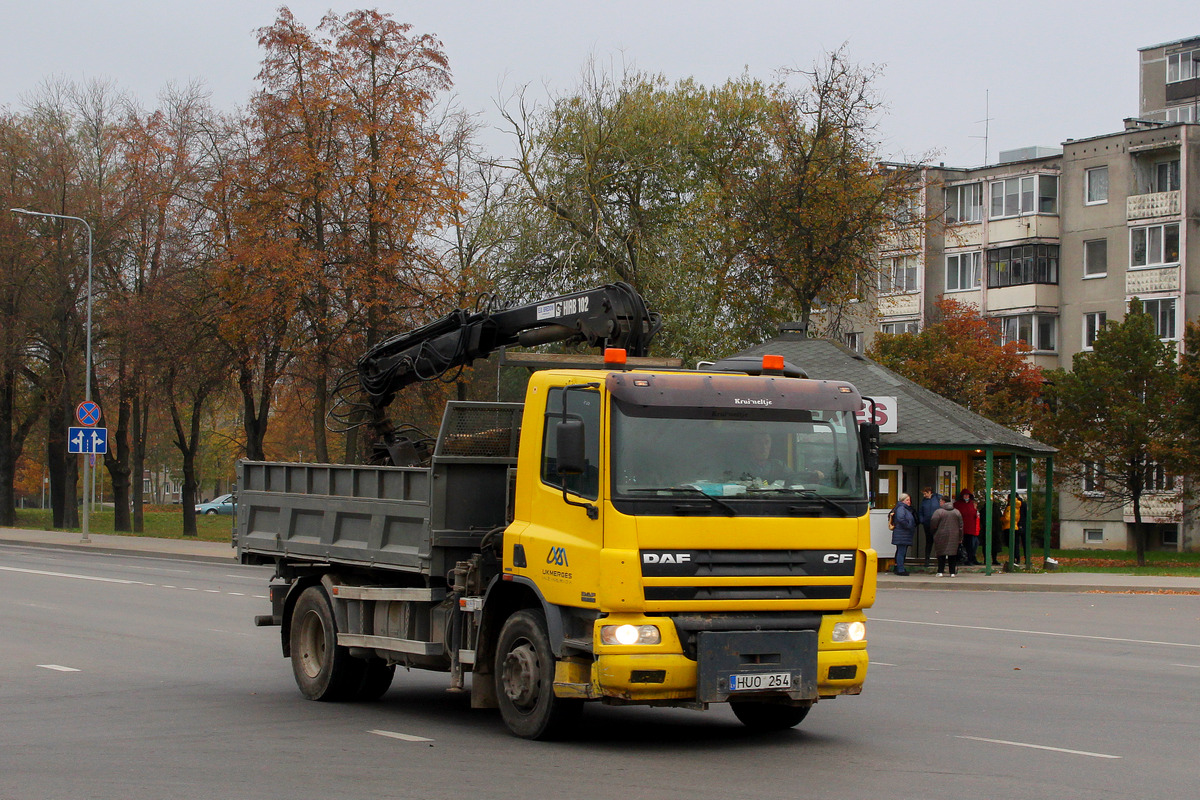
(1158, 480)
(1154, 307)
(1179, 114)
(1181, 66)
(1097, 538)
(1092, 186)
(968, 196)
(1021, 196)
(1103, 243)
(1035, 331)
(1173, 179)
(1153, 237)
(1092, 481)
(854, 341)
(973, 271)
(901, 326)
(901, 275)
(1093, 323)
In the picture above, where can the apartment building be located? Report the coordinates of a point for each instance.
(1053, 242)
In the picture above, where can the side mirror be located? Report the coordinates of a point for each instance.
(868, 433)
(570, 447)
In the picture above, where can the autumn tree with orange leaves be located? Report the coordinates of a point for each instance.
(959, 356)
(325, 207)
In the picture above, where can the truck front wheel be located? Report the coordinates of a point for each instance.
(323, 669)
(524, 677)
(768, 716)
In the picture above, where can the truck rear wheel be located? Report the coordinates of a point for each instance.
(324, 670)
(768, 716)
(525, 679)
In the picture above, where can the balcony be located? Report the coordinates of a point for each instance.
(1154, 204)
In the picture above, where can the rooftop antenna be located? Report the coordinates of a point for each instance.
(987, 118)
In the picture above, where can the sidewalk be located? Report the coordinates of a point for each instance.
(1039, 582)
(996, 582)
(191, 549)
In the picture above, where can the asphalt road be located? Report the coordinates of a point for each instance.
(127, 677)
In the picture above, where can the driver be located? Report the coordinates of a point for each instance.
(758, 464)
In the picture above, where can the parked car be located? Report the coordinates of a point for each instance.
(219, 505)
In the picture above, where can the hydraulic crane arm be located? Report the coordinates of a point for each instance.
(613, 315)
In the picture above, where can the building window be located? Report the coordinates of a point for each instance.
(1029, 194)
(1095, 258)
(855, 341)
(1093, 536)
(964, 203)
(1170, 535)
(1182, 67)
(963, 271)
(1037, 330)
(1166, 176)
(904, 326)
(899, 275)
(1162, 311)
(1179, 114)
(1157, 479)
(1017, 266)
(1096, 183)
(1154, 245)
(1092, 325)
(1093, 478)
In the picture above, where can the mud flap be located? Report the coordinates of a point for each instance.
(723, 654)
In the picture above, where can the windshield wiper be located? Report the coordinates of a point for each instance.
(845, 511)
(729, 510)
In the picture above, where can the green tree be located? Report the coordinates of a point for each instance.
(959, 356)
(1114, 418)
(818, 205)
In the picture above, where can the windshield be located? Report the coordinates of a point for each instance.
(736, 453)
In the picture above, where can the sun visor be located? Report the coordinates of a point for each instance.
(732, 391)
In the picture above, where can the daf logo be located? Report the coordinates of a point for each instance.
(666, 558)
(838, 558)
(557, 555)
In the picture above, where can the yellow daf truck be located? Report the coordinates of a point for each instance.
(626, 535)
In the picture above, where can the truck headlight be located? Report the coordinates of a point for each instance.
(630, 634)
(849, 631)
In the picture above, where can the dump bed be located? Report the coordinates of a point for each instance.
(412, 519)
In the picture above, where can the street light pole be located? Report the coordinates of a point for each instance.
(87, 375)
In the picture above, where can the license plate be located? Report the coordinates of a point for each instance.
(760, 681)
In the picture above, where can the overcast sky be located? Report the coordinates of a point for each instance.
(1052, 70)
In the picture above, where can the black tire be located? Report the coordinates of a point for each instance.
(524, 676)
(768, 716)
(210, 511)
(324, 670)
(376, 679)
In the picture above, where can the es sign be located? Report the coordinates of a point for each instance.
(885, 413)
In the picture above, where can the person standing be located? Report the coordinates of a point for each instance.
(947, 526)
(965, 504)
(930, 502)
(904, 528)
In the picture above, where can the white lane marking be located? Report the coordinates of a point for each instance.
(1189, 666)
(58, 668)
(1039, 747)
(235, 594)
(1035, 633)
(880, 664)
(405, 737)
(76, 577)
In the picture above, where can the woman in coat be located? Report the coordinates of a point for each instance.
(970, 514)
(947, 526)
(904, 528)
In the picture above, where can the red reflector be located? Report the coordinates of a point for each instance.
(614, 355)
(773, 362)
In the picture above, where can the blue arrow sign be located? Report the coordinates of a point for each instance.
(87, 440)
